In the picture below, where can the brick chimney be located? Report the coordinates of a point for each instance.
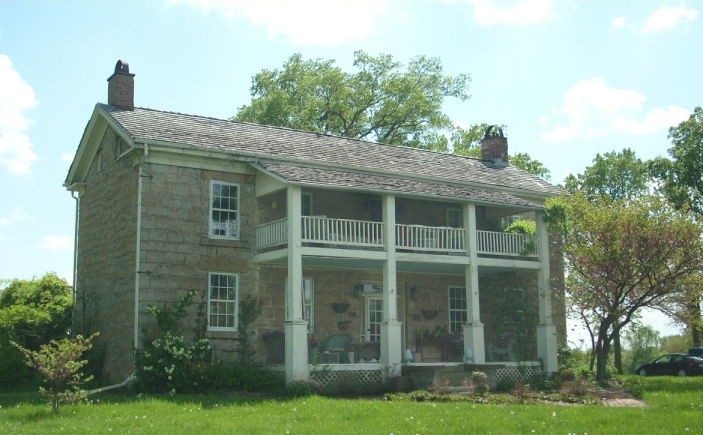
(120, 87)
(494, 146)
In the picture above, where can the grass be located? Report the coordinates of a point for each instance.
(675, 406)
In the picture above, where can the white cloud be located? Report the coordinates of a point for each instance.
(16, 96)
(668, 17)
(591, 108)
(308, 22)
(67, 157)
(9, 220)
(56, 243)
(15, 215)
(488, 13)
(618, 22)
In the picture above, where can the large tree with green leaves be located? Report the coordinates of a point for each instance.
(624, 256)
(32, 312)
(681, 180)
(382, 100)
(615, 175)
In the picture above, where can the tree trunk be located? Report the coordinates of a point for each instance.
(694, 311)
(602, 350)
(617, 351)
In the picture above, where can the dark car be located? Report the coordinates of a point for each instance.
(676, 364)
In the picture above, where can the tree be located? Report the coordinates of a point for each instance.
(621, 257)
(682, 183)
(644, 343)
(32, 312)
(59, 364)
(381, 101)
(682, 176)
(616, 175)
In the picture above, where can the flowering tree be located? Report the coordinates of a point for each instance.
(621, 257)
(58, 362)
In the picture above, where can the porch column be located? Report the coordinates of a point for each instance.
(296, 328)
(546, 332)
(473, 328)
(390, 328)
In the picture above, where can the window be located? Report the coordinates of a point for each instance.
(457, 309)
(306, 204)
(224, 210)
(119, 145)
(99, 164)
(223, 298)
(309, 303)
(454, 219)
(374, 318)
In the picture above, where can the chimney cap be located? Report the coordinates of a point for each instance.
(491, 132)
(121, 68)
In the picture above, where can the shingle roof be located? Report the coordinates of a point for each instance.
(362, 181)
(346, 155)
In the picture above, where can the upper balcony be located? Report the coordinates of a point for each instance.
(338, 233)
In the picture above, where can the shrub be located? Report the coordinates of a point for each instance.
(543, 381)
(58, 363)
(170, 363)
(505, 385)
(301, 389)
(480, 382)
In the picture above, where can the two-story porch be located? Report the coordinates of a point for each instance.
(370, 278)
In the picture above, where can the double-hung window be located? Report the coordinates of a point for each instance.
(457, 309)
(224, 210)
(223, 301)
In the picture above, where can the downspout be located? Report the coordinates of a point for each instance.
(138, 251)
(75, 261)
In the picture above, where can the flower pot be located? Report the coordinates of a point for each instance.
(343, 325)
(429, 314)
(340, 307)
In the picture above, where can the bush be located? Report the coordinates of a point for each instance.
(242, 377)
(505, 385)
(58, 363)
(543, 382)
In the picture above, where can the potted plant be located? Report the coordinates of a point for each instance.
(342, 324)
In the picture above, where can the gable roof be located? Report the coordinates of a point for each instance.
(298, 152)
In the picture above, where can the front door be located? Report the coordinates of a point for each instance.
(374, 317)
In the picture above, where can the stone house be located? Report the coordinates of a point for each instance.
(363, 256)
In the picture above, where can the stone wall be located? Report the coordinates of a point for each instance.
(106, 258)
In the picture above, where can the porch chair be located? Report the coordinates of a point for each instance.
(337, 344)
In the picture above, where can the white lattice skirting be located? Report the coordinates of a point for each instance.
(361, 378)
(518, 373)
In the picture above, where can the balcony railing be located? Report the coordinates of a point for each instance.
(495, 243)
(350, 233)
(344, 232)
(431, 239)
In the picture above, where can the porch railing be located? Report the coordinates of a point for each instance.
(346, 232)
(272, 234)
(368, 234)
(423, 238)
(495, 243)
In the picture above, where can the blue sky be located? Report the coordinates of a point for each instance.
(569, 78)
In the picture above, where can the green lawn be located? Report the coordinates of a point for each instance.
(675, 406)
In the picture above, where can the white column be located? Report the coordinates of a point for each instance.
(473, 328)
(546, 332)
(295, 325)
(391, 344)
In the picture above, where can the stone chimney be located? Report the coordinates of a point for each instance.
(120, 87)
(494, 146)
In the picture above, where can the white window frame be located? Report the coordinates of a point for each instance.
(455, 327)
(231, 229)
(210, 300)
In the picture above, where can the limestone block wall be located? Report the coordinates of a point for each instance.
(106, 258)
(177, 252)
